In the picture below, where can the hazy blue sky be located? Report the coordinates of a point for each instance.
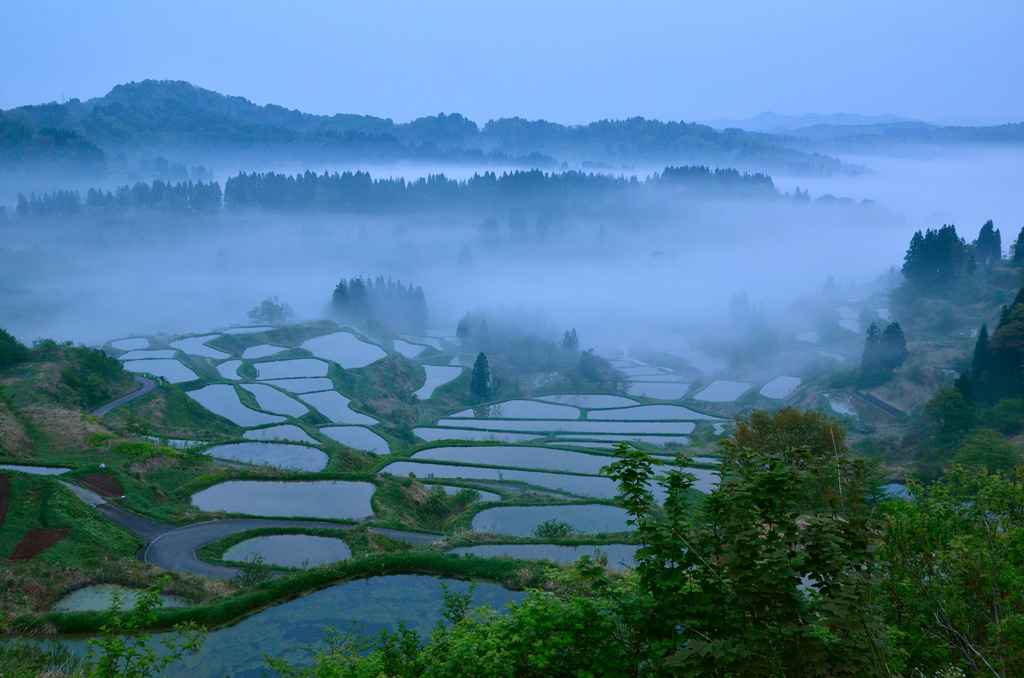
(565, 61)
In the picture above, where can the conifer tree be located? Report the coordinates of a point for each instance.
(480, 379)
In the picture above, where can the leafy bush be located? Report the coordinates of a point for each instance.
(11, 350)
(554, 529)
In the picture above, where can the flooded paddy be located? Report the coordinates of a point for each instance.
(519, 457)
(660, 441)
(437, 375)
(357, 437)
(780, 387)
(521, 409)
(650, 413)
(282, 432)
(148, 354)
(302, 385)
(222, 399)
(171, 370)
(658, 390)
(261, 351)
(620, 556)
(100, 596)
(407, 349)
(431, 435)
(340, 499)
(723, 391)
(272, 400)
(287, 369)
(706, 364)
(130, 344)
(252, 329)
(589, 401)
(290, 550)
(229, 369)
(336, 408)
(197, 346)
(280, 455)
(36, 470)
(454, 490)
(587, 486)
(345, 349)
(521, 521)
(579, 426)
(841, 404)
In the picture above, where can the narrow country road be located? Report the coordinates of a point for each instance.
(146, 386)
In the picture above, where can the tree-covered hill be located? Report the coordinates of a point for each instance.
(24, 141)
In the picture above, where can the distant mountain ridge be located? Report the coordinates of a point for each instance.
(157, 115)
(774, 123)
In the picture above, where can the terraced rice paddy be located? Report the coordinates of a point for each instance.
(620, 556)
(261, 351)
(36, 470)
(252, 329)
(307, 385)
(229, 369)
(780, 387)
(519, 457)
(521, 409)
(223, 400)
(282, 432)
(661, 441)
(434, 434)
(589, 401)
(579, 426)
(437, 375)
(658, 391)
(130, 344)
(99, 596)
(703, 362)
(290, 550)
(340, 499)
(280, 455)
(336, 408)
(723, 391)
(521, 521)
(649, 413)
(289, 369)
(407, 349)
(840, 404)
(358, 438)
(345, 349)
(197, 346)
(148, 354)
(272, 400)
(454, 490)
(171, 370)
(586, 486)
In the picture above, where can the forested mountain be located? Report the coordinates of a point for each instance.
(175, 114)
(893, 135)
(25, 141)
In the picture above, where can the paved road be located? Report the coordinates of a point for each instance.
(146, 386)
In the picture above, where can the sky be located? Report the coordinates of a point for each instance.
(571, 62)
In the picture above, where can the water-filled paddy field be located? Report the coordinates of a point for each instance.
(302, 385)
(521, 409)
(99, 597)
(287, 369)
(290, 550)
(171, 370)
(723, 391)
(436, 376)
(341, 499)
(345, 349)
(780, 387)
(36, 470)
(589, 401)
(519, 457)
(222, 399)
(578, 426)
(336, 408)
(521, 521)
(130, 344)
(272, 400)
(357, 437)
(280, 432)
(620, 556)
(281, 455)
(431, 434)
(197, 346)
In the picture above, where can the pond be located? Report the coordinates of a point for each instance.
(345, 349)
(197, 346)
(357, 437)
(286, 369)
(589, 401)
(36, 470)
(302, 385)
(434, 434)
(780, 387)
(520, 521)
(437, 375)
(229, 369)
(658, 391)
(336, 408)
(281, 432)
(341, 499)
(587, 486)
(407, 349)
(261, 351)
(99, 597)
(272, 400)
(519, 457)
(130, 344)
(171, 370)
(223, 400)
(290, 550)
(723, 391)
(521, 409)
(148, 354)
(377, 603)
(620, 556)
(579, 426)
(281, 455)
(649, 413)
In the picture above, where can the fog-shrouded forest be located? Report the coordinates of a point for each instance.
(335, 395)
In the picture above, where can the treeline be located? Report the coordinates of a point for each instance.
(180, 198)
(387, 303)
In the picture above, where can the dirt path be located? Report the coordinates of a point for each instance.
(146, 386)
(879, 404)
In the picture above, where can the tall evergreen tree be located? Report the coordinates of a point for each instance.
(988, 248)
(571, 341)
(480, 379)
(871, 358)
(1017, 253)
(894, 346)
(980, 360)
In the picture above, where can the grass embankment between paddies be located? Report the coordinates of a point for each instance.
(509, 573)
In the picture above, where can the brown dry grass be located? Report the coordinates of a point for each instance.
(69, 429)
(14, 441)
(152, 464)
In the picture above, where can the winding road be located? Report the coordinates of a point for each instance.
(146, 386)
